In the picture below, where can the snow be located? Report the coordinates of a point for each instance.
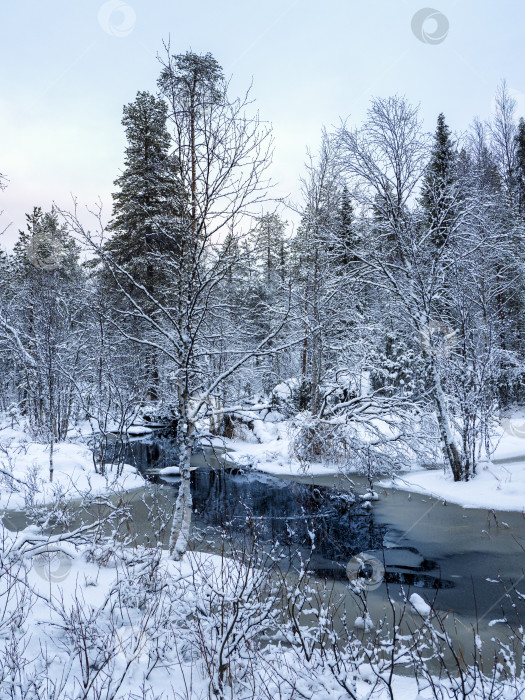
(74, 576)
(284, 390)
(495, 486)
(420, 605)
(169, 471)
(500, 621)
(364, 623)
(267, 449)
(74, 598)
(499, 484)
(130, 637)
(508, 438)
(369, 496)
(138, 430)
(25, 473)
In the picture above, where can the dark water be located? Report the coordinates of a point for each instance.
(461, 561)
(286, 513)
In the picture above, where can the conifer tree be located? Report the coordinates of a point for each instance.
(346, 228)
(45, 247)
(46, 280)
(520, 166)
(271, 247)
(438, 195)
(146, 209)
(147, 205)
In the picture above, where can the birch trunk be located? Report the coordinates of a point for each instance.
(451, 451)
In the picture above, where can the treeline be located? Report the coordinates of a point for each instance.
(398, 297)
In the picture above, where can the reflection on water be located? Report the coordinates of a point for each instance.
(288, 513)
(291, 513)
(285, 512)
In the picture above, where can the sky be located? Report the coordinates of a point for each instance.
(67, 67)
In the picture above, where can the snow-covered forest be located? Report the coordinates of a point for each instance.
(373, 326)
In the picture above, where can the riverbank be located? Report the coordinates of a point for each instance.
(25, 473)
(112, 622)
(141, 620)
(498, 484)
(24, 468)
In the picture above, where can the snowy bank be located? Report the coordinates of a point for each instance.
(498, 484)
(24, 475)
(267, 449)
(495, 486)
(142, 621)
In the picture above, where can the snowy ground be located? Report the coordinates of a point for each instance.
(267, 448)
(24, 475)
(127, 626)
(124, 629)
(495, 486)
(498, 484)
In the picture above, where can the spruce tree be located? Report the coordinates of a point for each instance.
(520, 166)
(438, 195)
(46, 286)
(45, 247)
(346, 229)
(147, 206)
(270, 247)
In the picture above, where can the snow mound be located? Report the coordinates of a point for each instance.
(138, 430)
(420, 605)
(25, 475)
(169, 471)
(364, 623)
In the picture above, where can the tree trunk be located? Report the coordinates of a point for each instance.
(180, 527)
(51, 450)
(450, 450)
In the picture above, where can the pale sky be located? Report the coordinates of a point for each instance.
(69, 66)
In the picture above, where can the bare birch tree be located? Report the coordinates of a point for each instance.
(222, 155)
